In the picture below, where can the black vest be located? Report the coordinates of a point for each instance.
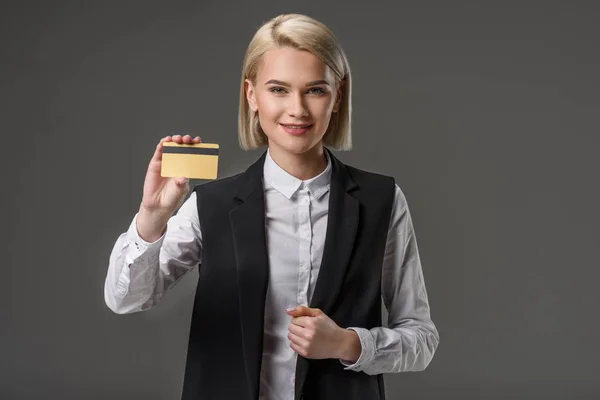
(226, 334)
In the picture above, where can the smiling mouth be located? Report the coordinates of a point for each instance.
(296, 126)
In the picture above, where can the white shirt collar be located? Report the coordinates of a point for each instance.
(288, 185)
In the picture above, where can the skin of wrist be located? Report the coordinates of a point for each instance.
(151, 224)
(350, 346)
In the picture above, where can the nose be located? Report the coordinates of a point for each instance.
(297, 107)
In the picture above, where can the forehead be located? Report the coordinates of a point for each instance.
(293, 66)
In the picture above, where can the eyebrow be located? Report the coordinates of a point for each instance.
(313, 83)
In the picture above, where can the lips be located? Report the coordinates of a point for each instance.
(297, 126)
(296, 129)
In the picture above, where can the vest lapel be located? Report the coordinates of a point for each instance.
(248, 229)
(342, 225)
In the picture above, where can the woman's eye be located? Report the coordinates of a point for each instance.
(317, 90)
(280, 90)
(277, 90)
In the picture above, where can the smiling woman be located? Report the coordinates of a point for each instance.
(294, 109)
(296, 252)
(295, 55)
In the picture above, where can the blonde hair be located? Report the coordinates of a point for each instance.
(303, 33)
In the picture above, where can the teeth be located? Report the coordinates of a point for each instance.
(296, 126)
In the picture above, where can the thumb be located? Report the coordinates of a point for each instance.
(303, 311)
(182, 183)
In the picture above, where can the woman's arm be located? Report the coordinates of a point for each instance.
(412, 338)
(139, 273)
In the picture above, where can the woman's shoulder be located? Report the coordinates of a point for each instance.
(370, 180)
(369, 177)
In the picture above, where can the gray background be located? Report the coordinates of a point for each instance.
(486, 114)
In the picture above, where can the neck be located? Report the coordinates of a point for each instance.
(302, 166)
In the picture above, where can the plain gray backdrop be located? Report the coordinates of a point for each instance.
(486, 113)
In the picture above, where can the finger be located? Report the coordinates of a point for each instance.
(181, 181)
(298, 349)
(300, 311)
(300, 341)
(296, 311)
(197, 139)
(302, 321)
(187, 139)
(165, 139)
(298, 331)
(157, 156)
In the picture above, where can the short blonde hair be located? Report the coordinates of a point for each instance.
(303, 33)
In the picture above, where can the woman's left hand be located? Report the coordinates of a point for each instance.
(314, 335)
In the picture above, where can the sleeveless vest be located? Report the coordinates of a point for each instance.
(226, 334)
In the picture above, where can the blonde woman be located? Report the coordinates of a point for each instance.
(294, 254)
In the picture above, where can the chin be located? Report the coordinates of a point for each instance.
(296, 146)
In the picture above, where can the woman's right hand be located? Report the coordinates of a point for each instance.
(162, 196)
(165, 195)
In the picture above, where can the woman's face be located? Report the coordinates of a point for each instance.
(294, 95)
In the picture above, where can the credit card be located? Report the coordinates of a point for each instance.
(193, 161)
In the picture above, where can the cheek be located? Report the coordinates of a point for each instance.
(269, 108)
(322, 108)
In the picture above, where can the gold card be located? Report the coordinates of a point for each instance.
(193, 161)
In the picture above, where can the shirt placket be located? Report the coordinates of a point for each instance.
(305, 239)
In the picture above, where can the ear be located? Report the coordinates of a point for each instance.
(250, 95)
(338, 98)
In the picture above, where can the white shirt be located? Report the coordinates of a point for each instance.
(139, 273)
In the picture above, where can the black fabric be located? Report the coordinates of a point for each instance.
(226, 335)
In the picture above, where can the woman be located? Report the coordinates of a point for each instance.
(296, 253)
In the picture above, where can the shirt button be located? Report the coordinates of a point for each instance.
(307, 235)
(305, 201)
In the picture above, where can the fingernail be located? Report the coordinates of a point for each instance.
(290, 309)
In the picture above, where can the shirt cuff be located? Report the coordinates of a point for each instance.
(367, 352)
(137, 244)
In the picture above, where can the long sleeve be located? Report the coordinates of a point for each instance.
(139, 273)
(410, 341)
